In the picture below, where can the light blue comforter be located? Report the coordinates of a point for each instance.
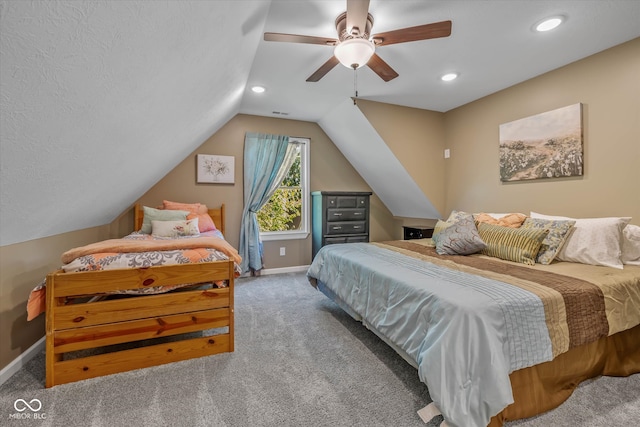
(465, 333)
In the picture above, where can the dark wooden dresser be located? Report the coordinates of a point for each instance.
(339, 217)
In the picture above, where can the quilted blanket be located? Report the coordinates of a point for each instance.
(467, 322)
(150, 245)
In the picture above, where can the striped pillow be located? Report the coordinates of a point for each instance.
(512, 244)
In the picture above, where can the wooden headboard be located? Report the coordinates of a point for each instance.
(216, 214)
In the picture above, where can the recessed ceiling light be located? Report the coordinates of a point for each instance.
(448, 77)
(549, 23)
(258, 89)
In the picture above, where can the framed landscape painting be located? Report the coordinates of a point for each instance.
(547, 145)
(215, 169)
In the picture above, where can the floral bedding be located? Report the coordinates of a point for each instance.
(119, 260)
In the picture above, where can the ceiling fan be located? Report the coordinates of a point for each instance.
(355, 46)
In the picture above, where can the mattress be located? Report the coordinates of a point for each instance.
(467, 322)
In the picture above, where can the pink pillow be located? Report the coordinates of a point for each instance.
(205, 223)
(512, 220)
(200, 211)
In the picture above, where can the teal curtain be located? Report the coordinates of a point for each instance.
(267, 159)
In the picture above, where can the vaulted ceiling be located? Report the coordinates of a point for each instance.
(100, 99)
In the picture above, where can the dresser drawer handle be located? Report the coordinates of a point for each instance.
(337, 214)
(337, 228)
(355, 227)
(357, 213)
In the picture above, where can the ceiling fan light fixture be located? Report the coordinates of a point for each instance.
(354, 53)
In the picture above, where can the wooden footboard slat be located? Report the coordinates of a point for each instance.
(85, 326)
(127, 360)
(104, 312)
(136, 330)
(105, 281)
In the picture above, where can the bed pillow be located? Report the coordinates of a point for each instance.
(631, 245)
(191, 207)
(175, 229)
(460, 238)
(512, 220)
(497, 215)
(512, 244)
(440, 225)
(205, 223)
(152, 214)
(595, 241)
(515, 219)
(456, 216)
(558, 232)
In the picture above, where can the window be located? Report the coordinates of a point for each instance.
(286, 215)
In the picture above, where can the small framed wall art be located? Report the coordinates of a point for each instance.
(213, 169)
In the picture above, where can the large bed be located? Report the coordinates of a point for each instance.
(136, 302)
(494, 340)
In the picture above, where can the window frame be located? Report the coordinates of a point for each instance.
(304, 230)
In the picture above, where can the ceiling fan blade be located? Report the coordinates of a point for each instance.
(324, 69)
(381, 68)
(357, 11)
(296, 38)
(421, 32)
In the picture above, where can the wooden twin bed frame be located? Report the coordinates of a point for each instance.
(79, 318)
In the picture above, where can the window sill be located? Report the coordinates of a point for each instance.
(284, 235)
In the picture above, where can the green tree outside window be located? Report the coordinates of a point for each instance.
(283, 212)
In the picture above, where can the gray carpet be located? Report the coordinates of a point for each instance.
(299, 361)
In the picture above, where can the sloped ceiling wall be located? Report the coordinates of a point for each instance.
(367, 152)
(100, 99)
(94, 114)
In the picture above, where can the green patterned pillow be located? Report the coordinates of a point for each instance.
(512, 244)
(151, 214)
(558, 231)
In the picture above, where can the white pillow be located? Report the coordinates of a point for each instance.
(595, 241)
(631, 245)
(175, 229)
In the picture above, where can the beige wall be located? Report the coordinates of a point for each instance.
(329, 171)
(23, 266)
(608, 86)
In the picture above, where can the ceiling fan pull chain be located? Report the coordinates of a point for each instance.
(355, 84)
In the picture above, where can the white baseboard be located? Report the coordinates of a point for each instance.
(296, 269)
(19, 362)
(281, 270)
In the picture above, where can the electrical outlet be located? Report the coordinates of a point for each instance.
(283, 251)
(447, 153)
